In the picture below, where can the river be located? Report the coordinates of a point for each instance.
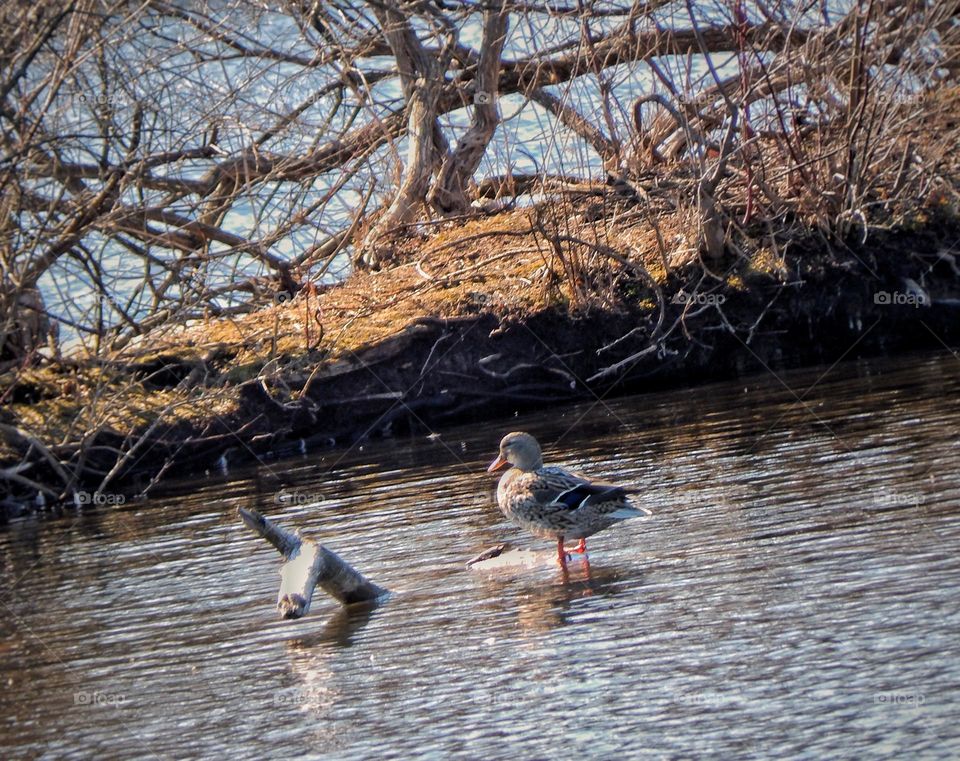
(795, 594)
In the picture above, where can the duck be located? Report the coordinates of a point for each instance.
(553, 503)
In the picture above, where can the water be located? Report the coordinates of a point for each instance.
(795, 594)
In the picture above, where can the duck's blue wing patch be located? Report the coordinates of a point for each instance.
(577, 495)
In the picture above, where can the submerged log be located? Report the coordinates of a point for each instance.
(502, 557)
(308, 565)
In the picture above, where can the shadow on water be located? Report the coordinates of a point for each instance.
(341, 626)
(794, 593)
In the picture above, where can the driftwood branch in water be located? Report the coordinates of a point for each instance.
(308, 565)
(503, 557)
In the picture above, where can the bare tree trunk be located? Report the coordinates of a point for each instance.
(713, 234)
(422, 78)
(27, 327)
(449, 195)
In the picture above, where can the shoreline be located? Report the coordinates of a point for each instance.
(490, 346)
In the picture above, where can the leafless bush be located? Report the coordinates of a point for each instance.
(165, 162)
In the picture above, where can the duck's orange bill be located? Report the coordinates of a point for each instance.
(497, 464)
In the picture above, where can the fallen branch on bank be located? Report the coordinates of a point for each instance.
(308, 565)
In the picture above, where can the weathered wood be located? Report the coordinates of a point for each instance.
(342, 581)
(502, 557)
(298, 580)
(308, 565)
(285, 542)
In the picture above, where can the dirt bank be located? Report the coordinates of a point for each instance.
(498, 314)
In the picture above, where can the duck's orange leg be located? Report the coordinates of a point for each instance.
(561, 553)
(581, 548)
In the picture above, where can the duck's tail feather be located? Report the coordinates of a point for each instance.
(630, 511)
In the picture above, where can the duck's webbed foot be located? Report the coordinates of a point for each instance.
(580, 549)
(563, 553)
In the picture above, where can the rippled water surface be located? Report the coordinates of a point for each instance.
(796, 594)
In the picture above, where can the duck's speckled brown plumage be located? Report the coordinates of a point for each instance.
(551, 502)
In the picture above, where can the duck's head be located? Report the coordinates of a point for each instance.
(520, 450)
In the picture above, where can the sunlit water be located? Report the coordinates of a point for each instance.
(796, 594)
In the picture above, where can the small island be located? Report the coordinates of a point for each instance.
(420, 227)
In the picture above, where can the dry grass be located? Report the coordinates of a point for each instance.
(497, 264)
(569, 251)
(494, 264)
